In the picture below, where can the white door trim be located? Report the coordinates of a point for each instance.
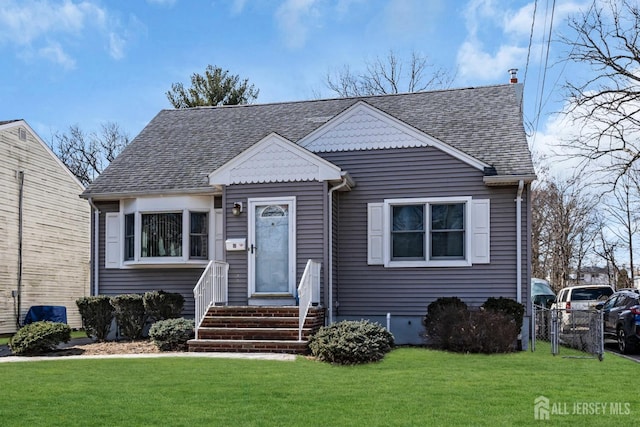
(251, 262)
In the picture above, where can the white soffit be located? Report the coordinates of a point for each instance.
(274, 159)
(363, 127)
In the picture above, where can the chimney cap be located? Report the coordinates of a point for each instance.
(514, 75)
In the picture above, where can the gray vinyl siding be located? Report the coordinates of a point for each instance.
(364, 290)
(140, 280)
(310, 229)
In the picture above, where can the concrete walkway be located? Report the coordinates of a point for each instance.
(7, 356)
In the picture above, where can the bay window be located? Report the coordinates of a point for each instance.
(162, 231)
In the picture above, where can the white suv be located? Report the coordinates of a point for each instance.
(575, 303)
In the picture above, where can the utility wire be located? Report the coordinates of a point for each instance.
(526, 68)
(544, 74)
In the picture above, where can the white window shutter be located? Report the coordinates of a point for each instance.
(375, 227)
(480, 232)
(219, 235)
(112, 240)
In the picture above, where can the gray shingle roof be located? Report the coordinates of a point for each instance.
(179, 148)
(5, 122)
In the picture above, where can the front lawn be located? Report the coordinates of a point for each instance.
(410, 387)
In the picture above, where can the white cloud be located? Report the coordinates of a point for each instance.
(518, 23)
(492, 20)
(54, 53)
(39, 28)
(474, 63)
(116, 46)
(294, 17)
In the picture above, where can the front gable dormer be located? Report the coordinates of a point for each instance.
(363, 127)
(275, 159)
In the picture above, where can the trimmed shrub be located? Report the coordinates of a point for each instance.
(495, 332)
(97, 314)
(444, 320)
(484, 332)
(513, 309)
(130, 315)
(161, 305)
(450, 325)
(172, 334)
(351, 342)
(39, 337)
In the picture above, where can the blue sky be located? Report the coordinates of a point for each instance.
(86, 62)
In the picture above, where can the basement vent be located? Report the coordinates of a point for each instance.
(22, 134)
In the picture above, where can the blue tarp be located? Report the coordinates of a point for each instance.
(52, 313)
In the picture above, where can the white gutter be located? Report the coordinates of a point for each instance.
(343, 184)
(519, 242)
(96, 246)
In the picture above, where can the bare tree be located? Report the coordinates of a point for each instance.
(88, 155)
(607, 249)
(564, 229)
(606, 105)
(621, 208)
(388, 75)
(215, 87)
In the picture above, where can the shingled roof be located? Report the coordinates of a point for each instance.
(178, 149)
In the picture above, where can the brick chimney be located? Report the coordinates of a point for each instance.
(514, 76)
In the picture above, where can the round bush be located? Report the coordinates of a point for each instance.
(351, 342)
(39, 337)
(443, 322)
(172, 334)
(509, 307)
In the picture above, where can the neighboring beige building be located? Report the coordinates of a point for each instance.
(44, 229)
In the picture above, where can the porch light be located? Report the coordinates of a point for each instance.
(237, 208)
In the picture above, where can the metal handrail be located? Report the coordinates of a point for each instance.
(308, 291)
(211, 289)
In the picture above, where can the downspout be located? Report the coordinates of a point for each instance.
(519, 242)
(20, 238)
(343, 184)
(96, 246)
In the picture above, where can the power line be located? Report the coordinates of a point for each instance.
(540, 92)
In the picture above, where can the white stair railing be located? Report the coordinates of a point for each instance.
(211, 289)
(308, 292)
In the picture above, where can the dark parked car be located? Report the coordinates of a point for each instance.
(541, 293)
(621, 314)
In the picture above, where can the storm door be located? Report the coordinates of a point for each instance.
(271, 246)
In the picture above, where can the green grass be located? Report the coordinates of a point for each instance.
(410, 387)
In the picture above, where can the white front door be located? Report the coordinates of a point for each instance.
(271, 246)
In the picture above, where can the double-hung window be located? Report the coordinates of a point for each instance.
(427, 231)
(198, 235)
(437, 232)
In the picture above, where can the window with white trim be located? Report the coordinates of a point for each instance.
(437, 232)
(129, 236)
(199, 235)
(150, 231)
(161, 235)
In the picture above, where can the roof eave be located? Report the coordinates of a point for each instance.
(132, 194)
(503, 180)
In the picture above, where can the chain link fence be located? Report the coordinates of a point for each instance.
(579, 329)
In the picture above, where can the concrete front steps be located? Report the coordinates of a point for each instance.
(255, 329)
